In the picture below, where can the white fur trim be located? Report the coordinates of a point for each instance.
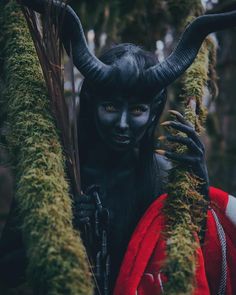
(231, 209)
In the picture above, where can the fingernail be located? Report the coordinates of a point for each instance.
(162, 137)
(166, 123)
(174, 112)
(160, 152)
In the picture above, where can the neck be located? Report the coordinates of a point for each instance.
(105, 157)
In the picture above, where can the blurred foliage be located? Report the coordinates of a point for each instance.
(138, 21)
(222, 118)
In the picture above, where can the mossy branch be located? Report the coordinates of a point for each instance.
(56, 257)
(185, 207)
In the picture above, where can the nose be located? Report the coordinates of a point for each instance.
(122, 125)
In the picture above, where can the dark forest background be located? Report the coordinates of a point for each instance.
(156, 25)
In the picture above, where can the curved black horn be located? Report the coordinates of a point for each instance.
(163, 74)
(74, 40)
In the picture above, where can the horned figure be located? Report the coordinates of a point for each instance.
(122, 98)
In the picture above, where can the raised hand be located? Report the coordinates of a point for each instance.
(194, 158)
(90, 217)
(85, 207)
(93, 221)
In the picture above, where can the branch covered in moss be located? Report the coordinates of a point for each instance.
(56, 258)
(185, 207)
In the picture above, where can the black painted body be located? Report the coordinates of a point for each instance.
(122, 192)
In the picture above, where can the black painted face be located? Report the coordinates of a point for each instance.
(121, 123)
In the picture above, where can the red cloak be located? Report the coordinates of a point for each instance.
(140, 272)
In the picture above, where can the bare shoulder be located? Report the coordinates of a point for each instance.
(231, 209)
(164, 166)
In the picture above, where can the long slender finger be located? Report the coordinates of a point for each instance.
(186, 159)
(85, 220)
(192, 146)
(179, 126)
(188, 130)
(84, 199)
(91, 189)
(85, 213)
(180, 118)
(183, 159)
(97, 201)
(86, 206)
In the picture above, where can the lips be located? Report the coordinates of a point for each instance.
(119, 138)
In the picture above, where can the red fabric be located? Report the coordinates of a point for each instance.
(140, 272)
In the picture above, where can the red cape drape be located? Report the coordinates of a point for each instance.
(140, 273)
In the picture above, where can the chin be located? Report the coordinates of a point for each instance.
(119, 146)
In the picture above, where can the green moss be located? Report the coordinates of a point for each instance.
(57, 263)
(185, 206)
(194, 86)
(184, 210)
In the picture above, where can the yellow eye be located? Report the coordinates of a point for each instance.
(136, 111)
(110, 108)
